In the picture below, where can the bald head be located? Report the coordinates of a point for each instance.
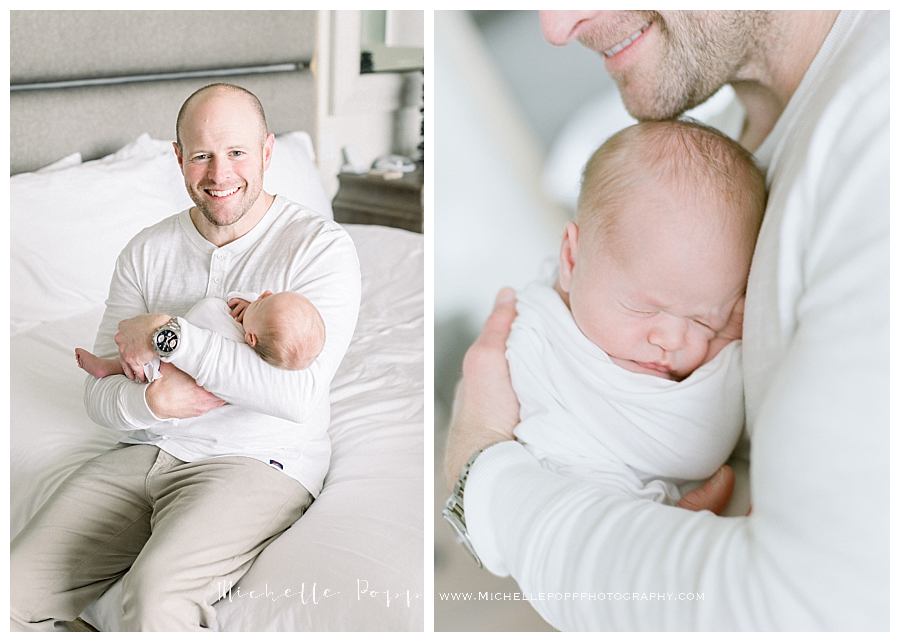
(221, 90)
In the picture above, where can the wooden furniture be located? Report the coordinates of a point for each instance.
(372, 199)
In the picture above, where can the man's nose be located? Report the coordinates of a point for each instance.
(669, 332)
(559, 27)
(217, 169)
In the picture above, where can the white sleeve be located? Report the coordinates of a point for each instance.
(115, 401)
(236, 373)
(814, 553)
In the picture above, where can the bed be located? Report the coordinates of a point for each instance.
(355, 560)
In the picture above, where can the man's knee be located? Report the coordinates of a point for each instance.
(29, 600)
(143, 584)
(155, 598)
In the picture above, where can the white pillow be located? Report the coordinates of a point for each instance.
(293, 174)
(67, 161)
(142, 147)
(68, 226)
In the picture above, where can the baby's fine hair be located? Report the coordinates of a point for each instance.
(683, 155)
(294, 336)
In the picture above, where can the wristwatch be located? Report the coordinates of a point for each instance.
(167, 337)
(454, 511)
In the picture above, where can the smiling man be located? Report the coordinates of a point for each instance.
(666, 62)
(814, 553)
(223, 165)
(224, 451)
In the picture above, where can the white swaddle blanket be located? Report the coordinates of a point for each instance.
(210, 313)
(581, 414)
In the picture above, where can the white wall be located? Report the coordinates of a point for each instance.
(373, 114)
(493, 225)
(405, 28)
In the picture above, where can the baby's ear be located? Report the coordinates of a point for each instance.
(250, 338)
(567, 254)
(265, 294)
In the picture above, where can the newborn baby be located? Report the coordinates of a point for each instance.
(628, 367)
(285, 329)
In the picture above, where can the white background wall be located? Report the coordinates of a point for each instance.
(373, 114)
(502, 94)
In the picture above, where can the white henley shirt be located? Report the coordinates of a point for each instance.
(273, 414)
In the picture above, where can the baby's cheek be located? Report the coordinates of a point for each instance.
(702, 352)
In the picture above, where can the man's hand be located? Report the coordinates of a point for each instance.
(712, 495)
(135, 343)
(485, 410)
(176, 395)
(238, 306)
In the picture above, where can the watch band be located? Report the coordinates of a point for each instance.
(454, 510)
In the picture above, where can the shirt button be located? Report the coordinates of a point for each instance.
(217, 279)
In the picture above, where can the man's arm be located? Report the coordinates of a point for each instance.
(235, 372)
(115, 401)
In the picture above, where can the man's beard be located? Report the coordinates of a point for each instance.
(700, 55)
(691, 72)
(246, 204)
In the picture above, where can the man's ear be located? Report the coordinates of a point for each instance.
(250, 339)
(567, 253)
(177, 149)
(268, 146)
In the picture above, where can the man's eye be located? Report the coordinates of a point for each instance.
(238, 153)
(200, 157)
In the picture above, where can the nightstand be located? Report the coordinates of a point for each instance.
(373, 200)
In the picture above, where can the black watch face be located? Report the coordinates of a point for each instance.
(166, 341)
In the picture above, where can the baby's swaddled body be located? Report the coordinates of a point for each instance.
(210, 313)
(583, 415)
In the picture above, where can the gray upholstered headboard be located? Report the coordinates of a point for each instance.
(147, 54)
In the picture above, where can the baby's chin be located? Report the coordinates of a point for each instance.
(635, 366)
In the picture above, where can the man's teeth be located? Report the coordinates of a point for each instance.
(612, 51)
(221, 194)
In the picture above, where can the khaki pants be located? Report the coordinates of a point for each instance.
(175, 530)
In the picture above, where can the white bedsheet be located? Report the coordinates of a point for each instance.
(355, 560)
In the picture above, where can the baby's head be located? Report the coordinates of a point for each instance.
(659, 252)
(285, 329)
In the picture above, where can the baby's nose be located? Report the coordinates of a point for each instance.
(669, 333)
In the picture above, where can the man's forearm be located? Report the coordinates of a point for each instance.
(116, 402)
(590, 560)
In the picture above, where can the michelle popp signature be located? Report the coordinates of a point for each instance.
(310, 593)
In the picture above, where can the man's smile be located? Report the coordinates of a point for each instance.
(222, 194)
(619, 46)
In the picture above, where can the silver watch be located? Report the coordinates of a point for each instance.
(167, 338)
(454, 511)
